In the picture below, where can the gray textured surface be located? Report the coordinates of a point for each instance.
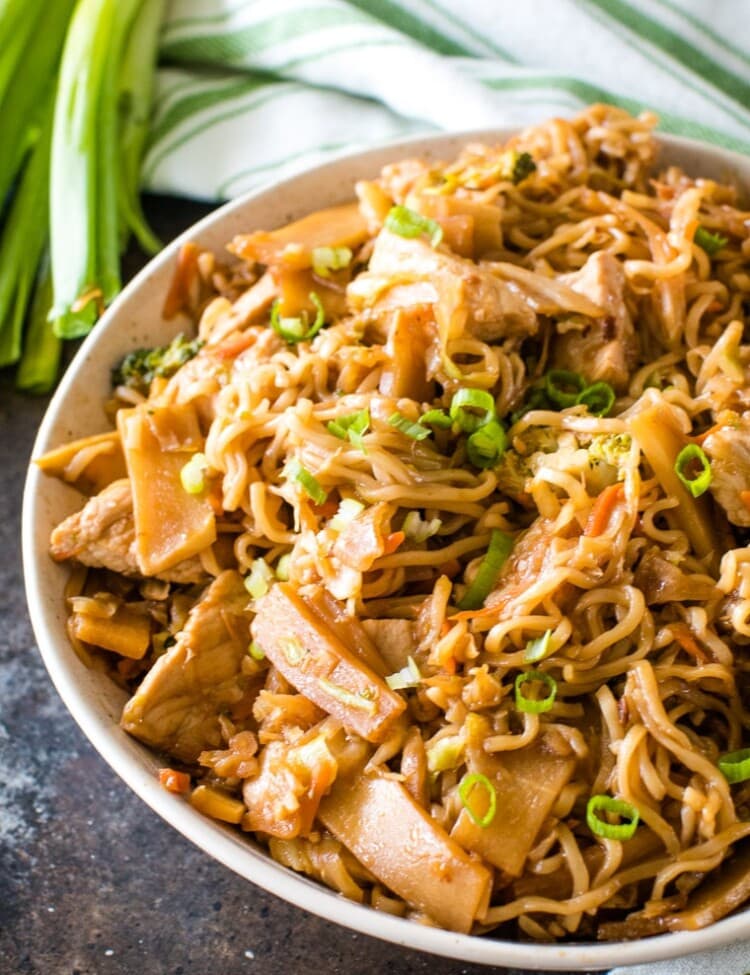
(91, 881)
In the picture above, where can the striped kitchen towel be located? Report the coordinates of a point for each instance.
(253, 90)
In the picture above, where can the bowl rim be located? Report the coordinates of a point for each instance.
(223, 843)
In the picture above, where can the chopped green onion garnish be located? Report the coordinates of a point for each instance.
(294, 471)
(408, 676)
(499, 549)
(408, 223)
(599, 398)
(256, 651)
(694, 469)
(327, 259)
(193, 474)
(295, 330)
(563, 387)
(538, 649)
(259, 579)
(282, 567)
(353, 427)
(446, 753)
(414, 430)
(466, 786)
(527, 704)
(711, 243)
(348, 510)
(464, 407)
(735, 766)
(486, 446)
(436, 418)
(621, 831)
(419, 530)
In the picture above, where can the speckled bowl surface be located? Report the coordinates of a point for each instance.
(76, 410)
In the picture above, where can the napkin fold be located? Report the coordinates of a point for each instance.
(251, 91)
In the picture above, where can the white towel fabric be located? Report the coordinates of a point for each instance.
(251, 91)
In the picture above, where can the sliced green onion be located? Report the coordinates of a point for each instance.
(466, 786)
(351, 427)
(464, 407)
(408, 676)
(735, 766)
(688, 459)
(408, 223)
(193, 474)
(436, 418)
(486, 446)
(499, 549)
(711, 243)
(410, 429)
(294, 471)
(419, 530)
(527, 704)
(348, 510)
(259, 579)
(282, 567)
(256, 651)
(294, 330)
(563, 387)
(599, 398)
(621, 831)
(537, 649)
(327, 259)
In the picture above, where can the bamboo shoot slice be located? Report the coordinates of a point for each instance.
(125, 632)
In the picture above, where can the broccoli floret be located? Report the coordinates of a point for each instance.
(138, 369)
(522, 166)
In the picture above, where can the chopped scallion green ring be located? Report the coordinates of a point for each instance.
(414, 430)
(294, 330)
(611, 831)
(256, 651)
(408, 223)
(466, 786)
(529, 705)
(352, 427)
(735, 766)
(437, 418)
(563, 387)
(193, 474)
(486, 446)
(499, 549)
(709, 242)
(294, 471)
(538, 649)
(259, 579)
(471, 409)
(693, 469)
(599, 398)
(408, 676)
(282, 567)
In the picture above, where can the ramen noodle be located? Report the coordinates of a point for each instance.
(424, 561)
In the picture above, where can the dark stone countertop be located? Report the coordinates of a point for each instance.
(91, 881)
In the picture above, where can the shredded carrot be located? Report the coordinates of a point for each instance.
(173, 781)
(603, 508)
(230, 348)
(745, 499)
(392, 542)
(706, 433)
(325, 510)
(450, 568)
(473, 614)
(688, 642)
(445, 628)
(185, 274)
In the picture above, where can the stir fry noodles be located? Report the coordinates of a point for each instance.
(424, 561)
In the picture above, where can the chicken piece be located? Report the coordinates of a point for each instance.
(662, 581)
(89, 464)
(491, 309)
(314, 659)
(529, 561)
(394, 640)
(607, 349)
(178, 706)
(410, 334)
(362, 541)
(102, 535)
(728, 449)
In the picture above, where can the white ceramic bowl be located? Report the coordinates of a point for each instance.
(134, 320)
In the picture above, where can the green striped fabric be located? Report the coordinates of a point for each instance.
(251, 90)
